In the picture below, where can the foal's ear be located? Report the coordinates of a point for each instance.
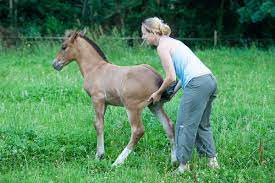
(83, 32)
(73, 37)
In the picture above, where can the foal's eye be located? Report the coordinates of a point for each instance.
(63, 47)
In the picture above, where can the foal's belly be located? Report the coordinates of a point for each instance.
(113, 100)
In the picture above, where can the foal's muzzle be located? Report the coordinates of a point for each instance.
(57, 65)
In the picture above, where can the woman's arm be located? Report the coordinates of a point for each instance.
(170, 75)
(167, 64)
(178, 86)
(176, 89)
(169, 93)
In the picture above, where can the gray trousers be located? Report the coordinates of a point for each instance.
(193, 125)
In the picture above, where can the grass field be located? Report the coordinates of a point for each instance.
(46, 131)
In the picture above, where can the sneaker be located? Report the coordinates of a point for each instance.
(182, 168)
(213, 163)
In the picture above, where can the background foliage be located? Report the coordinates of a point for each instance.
(188, 18)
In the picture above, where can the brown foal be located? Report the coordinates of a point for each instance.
(109, 84)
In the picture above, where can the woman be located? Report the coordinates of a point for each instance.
(199, 86)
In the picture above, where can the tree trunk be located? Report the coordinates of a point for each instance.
(220, 18)
(11, 12)
(120, 14)
(15, 14)
(84, 10)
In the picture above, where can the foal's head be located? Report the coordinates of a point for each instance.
(68, 50)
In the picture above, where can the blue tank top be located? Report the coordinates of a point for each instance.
(187, 65)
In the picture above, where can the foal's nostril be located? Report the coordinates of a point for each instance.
(54, 64)
(57, 65)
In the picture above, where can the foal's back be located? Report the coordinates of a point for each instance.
(125, 85)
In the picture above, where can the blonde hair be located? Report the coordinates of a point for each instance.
(156, 26)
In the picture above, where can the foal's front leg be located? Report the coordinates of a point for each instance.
(100, 108)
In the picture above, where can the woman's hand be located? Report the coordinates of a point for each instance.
(155, 97)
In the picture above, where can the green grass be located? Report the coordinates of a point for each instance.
(46, 131)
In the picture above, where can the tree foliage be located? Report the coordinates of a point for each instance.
(257, 10)
(187, 18)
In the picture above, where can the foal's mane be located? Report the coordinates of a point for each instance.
(92, 43)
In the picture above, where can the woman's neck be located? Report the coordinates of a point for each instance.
(159, 38)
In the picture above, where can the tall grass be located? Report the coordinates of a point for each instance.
(46, 131)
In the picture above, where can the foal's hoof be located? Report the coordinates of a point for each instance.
(114, 165)
(99, 156)
(174, 160)
(117, 163)
(174, 163)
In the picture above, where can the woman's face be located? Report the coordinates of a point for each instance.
(149, 37)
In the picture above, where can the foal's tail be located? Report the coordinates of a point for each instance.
(152, 69)
(166, 95)
(159, 79)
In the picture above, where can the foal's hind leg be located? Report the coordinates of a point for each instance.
(158, 111)
(137, 131)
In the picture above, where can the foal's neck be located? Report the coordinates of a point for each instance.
(88, 57)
